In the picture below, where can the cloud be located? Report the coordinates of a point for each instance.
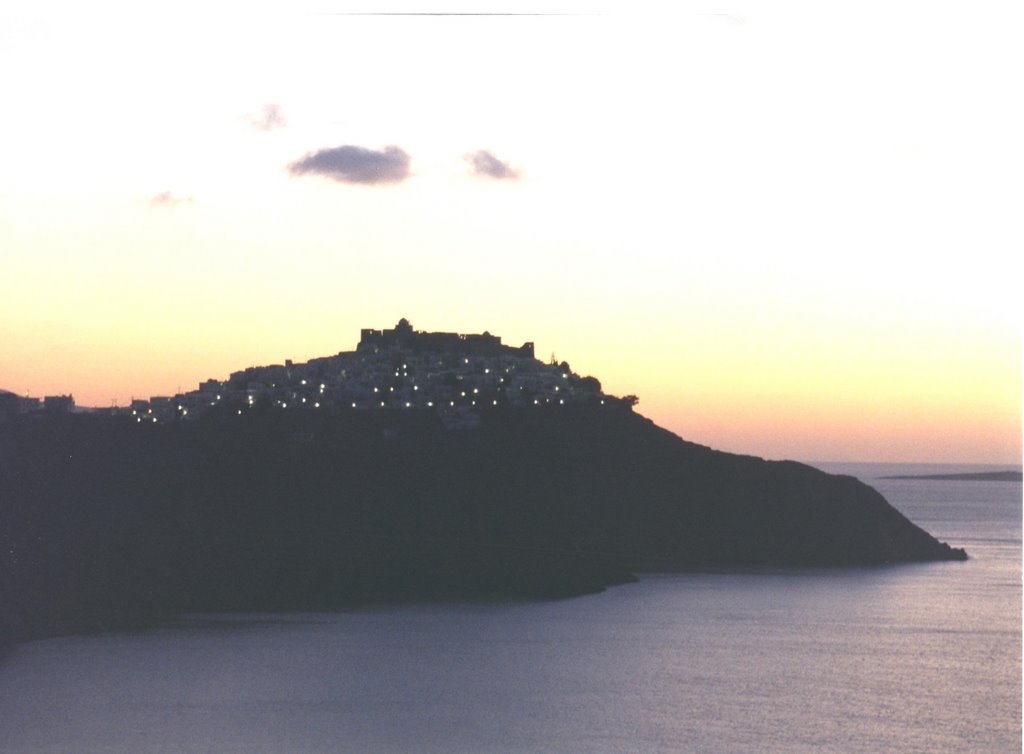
(486, 164)
(350, 164)
(167, 199)
(270, 118)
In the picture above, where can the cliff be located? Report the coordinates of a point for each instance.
(104, 523)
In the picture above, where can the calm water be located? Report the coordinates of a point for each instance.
(907, 658)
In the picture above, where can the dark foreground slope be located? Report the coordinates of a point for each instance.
(105, 523)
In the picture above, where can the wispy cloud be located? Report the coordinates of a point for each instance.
(350, 164)
(167, 199)
(486, 164)
(271, 117)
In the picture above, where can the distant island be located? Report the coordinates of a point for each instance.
(420, 466)
(981, 476)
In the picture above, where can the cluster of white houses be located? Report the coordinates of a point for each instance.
(455, 375)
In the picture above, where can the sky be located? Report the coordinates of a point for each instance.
(790, 230)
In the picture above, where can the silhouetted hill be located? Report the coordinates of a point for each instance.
(978, 476)
(105, 523)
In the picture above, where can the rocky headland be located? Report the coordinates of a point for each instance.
(105, 523)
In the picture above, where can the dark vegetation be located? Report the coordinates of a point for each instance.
(105, 523)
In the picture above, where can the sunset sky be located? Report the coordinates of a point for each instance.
(788, 230)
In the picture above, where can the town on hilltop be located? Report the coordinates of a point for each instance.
(455, 375)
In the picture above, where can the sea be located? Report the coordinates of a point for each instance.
(907, 658)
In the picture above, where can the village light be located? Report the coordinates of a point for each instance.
(475, 391)
(430, 404)
(353, 405)
(284, 405)
(316, 405)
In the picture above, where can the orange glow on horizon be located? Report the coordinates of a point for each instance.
(815, 412)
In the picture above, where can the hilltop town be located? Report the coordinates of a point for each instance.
(420, 466)
(455, 375)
